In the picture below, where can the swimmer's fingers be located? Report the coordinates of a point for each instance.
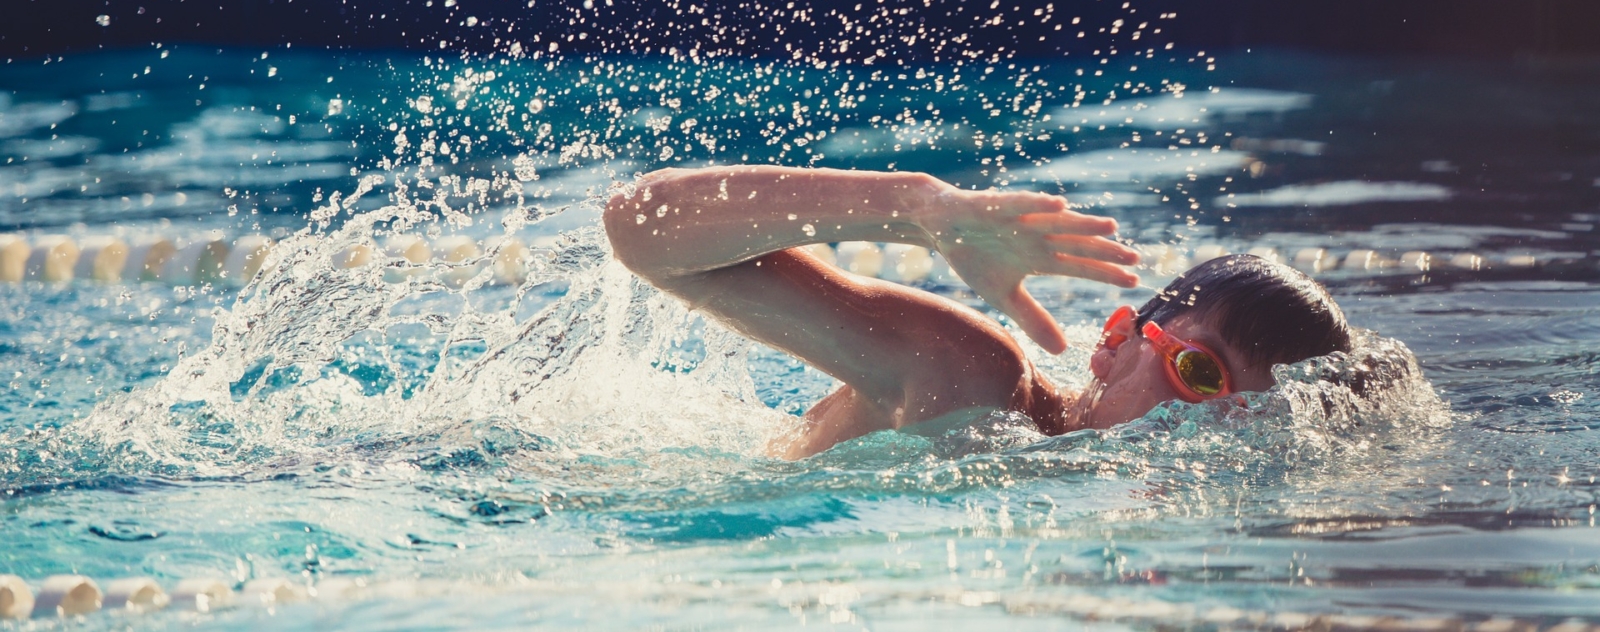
(1033, 319)
(1065, 222)
(1071, 265)
(1097, 248)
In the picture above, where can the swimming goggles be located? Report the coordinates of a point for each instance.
(1194, 371)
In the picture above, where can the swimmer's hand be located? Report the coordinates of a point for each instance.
(995, 239)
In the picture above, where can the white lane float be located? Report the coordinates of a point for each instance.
(1361, 260)
(353, 256)
(1164, 259)
(458, 250)
(1416, 260)
(14, 252)
(413, 249)
(134, 595)
(511, 258)
(941, 273)
(270, 591)
(1314, 260)
(66, 596)
(1467, 261)
(16, 599)
(859, 257)
(339, 589)
(245, 259)
(823, 252)
(196, 263)
(147, 257)
(904, 263)
(51, 259)
(1266, 252)
(101, 259)
(1208, 252)
(202, 595)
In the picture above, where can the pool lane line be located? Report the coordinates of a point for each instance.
(60, 596)
(211, 258)
(77, 596)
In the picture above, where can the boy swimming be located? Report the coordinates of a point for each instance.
(725, 240)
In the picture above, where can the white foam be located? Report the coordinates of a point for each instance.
(60, 147)
(1341, 193)
(1124, 165)
(1186, 110)
(22, 118)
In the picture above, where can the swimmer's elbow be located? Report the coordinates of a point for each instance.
(622, 228)
(630, 238)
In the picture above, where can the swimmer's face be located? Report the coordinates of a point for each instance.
(1131, 377)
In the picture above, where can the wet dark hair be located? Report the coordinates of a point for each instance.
(1271, 313)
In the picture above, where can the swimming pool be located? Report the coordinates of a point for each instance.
(575, 450)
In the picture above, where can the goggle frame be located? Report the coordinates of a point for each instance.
(1172, 349)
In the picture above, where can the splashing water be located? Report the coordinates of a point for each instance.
(403, 419)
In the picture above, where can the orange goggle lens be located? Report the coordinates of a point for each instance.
(1194, 371)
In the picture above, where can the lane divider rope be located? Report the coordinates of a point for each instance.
(75, 596)
(212, 258)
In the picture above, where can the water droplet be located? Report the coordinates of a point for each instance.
(103, 20)
(809, 230)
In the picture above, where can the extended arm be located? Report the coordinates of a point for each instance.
(720, 238)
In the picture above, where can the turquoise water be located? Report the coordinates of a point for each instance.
(578, 451)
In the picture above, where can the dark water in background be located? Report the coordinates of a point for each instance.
(489, 522)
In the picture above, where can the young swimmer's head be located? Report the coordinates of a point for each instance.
(1215, 330)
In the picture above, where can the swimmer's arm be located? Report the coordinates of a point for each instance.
(679, 222)
(676, 224)
(905, 355)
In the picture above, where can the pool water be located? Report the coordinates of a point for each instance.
(578, 450)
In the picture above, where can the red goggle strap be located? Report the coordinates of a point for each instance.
(1122, 315)
(1164, 342)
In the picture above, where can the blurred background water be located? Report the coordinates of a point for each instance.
(578, 451)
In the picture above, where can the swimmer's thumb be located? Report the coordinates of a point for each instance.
(1034, 320)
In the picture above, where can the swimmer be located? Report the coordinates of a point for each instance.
(726, 241)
